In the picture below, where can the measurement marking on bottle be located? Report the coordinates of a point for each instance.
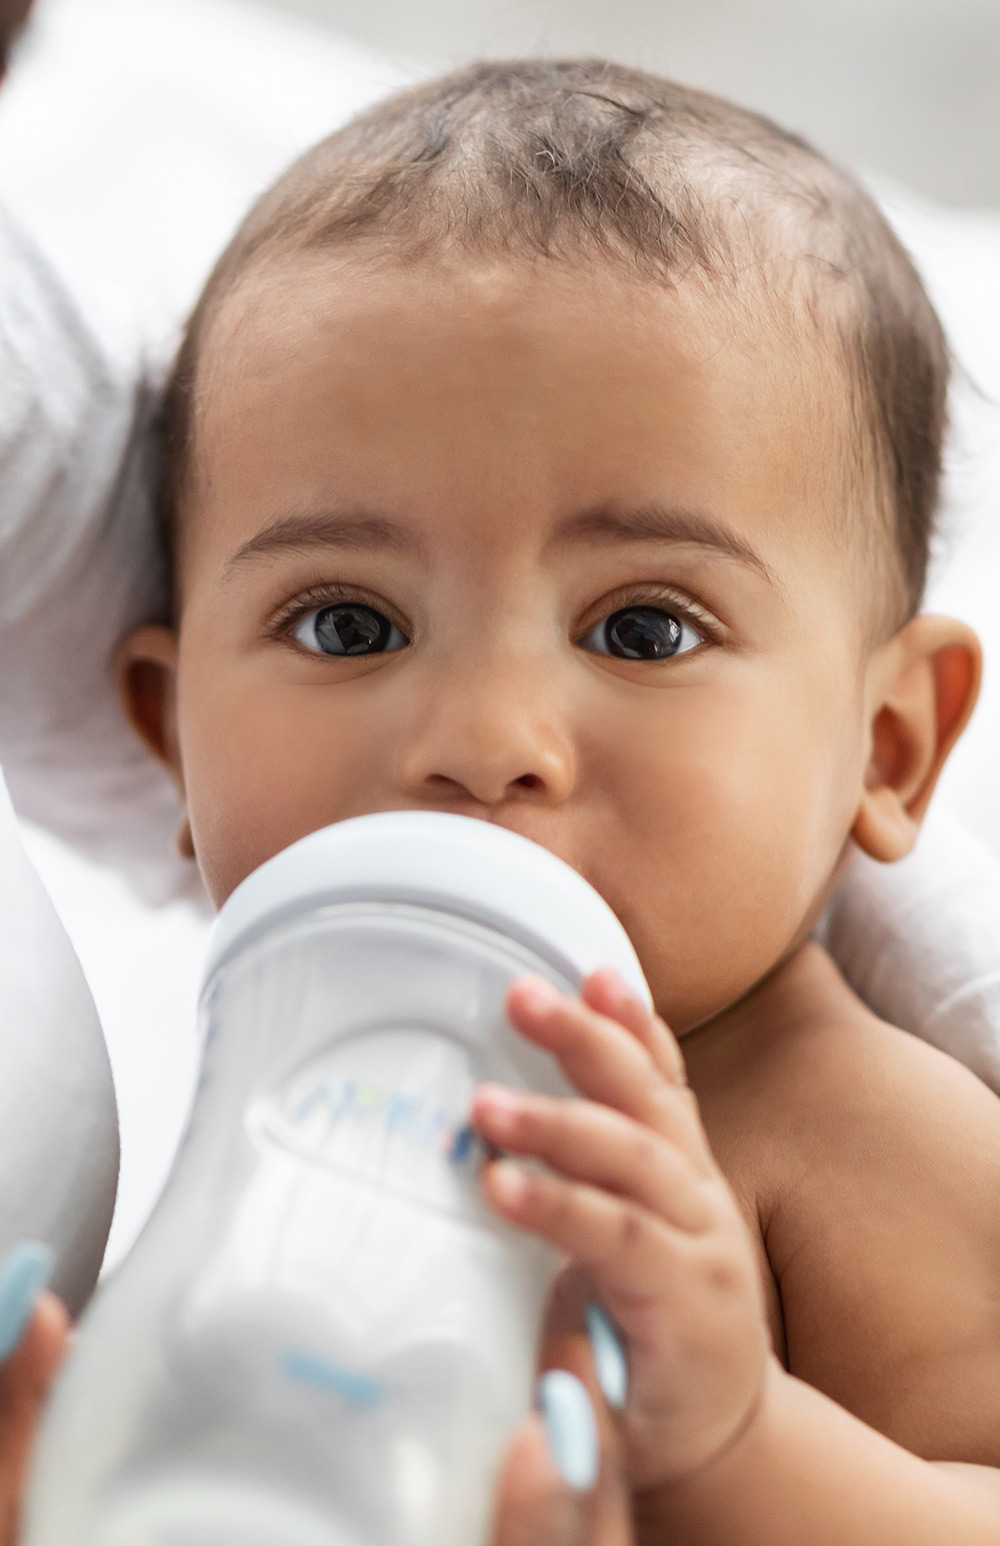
(330, 1104)
(350, 1384)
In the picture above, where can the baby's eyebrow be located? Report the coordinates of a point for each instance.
(356, 529)
(659, 523)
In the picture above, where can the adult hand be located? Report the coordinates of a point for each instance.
(561, 1484)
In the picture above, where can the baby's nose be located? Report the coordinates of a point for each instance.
(490, 741)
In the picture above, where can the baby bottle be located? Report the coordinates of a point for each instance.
(323, 1336)
(58, 1120)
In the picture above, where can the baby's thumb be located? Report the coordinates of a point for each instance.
(555, 1489)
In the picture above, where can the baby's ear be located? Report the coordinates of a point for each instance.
(922, 688)
(146, 668)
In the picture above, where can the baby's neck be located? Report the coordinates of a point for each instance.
(803, 989)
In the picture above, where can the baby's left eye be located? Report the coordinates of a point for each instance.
(642, 633)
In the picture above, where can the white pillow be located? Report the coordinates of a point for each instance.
(919, 941)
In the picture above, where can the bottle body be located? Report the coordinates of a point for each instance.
(323, 1336)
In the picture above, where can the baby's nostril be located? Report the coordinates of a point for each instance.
(529, 781)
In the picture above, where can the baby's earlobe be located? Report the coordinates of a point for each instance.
(929, 680)
(883, 828)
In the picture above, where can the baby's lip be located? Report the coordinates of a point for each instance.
(510, 816)
(517, 819)
(522, 818)
(529, 822)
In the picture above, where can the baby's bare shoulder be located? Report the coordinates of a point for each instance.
(812, 1084)
(883, 1227)
(855, 1096)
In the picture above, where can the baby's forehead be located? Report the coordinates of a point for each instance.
(342, 312)
(406, 384)
(496, 324)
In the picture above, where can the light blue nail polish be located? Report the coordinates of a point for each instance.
(570, 1426)
(24, 1273)
(610, 1364)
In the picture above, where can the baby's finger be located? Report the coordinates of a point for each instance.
(599, 1146)
(606, 1063)
(623, 1245)
(607, 991)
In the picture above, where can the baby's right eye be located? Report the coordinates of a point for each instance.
(348, 628)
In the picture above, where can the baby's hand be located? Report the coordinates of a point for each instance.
(633, 1195)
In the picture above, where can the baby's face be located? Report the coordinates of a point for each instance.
(539, 544)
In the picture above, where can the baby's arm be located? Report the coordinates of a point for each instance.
(721, 1443)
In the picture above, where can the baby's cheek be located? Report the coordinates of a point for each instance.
(241, 788)
(725, 869)
(230, 826)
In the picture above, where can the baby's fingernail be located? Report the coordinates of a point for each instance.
(614, 979)
(499, 1097)
(501, 1105)
(509, 1182)
(24, 1272)
(610, 1364)
(540, 995)
(570, 1426)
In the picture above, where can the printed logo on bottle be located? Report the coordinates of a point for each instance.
(390, 1107)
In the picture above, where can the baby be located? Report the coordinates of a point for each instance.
(560, 447)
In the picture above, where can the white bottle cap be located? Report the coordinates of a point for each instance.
(455, 864)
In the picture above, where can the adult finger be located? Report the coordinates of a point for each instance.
(24, 1272)
(579, 1334)
(26, 1378)
(536, 1505)
(555, 1488)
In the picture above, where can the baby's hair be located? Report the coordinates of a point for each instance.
(565, 158)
